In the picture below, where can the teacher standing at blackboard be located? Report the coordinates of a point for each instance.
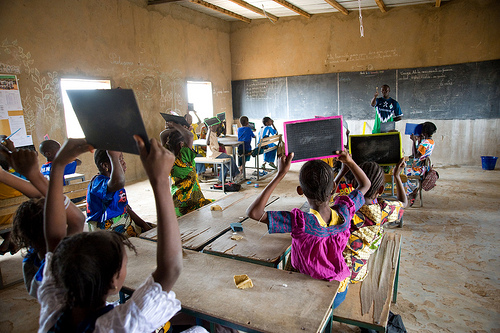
(387, 108)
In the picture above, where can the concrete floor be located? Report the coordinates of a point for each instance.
(449, 277)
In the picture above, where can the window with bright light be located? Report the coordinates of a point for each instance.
(73, 129)
(200, 94)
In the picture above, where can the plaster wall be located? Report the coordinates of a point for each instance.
(459, 31)
(153, 51)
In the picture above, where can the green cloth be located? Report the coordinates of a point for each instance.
(186, 191)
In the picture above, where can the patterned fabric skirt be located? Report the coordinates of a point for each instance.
(122, 224)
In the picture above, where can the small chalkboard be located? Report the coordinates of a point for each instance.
(383, 148)
(211, 121)
(221, 116)
(109, 118)
(415, 129)
(175, 119)
(311, 139)
(387, 127)
(252, 126)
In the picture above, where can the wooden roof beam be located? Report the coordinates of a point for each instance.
(221, 10)
(381, 5)
(337, 6)
(438, 3)
(157, 2)
(294, 8)
(255, 9)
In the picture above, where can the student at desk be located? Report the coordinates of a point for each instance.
(318, 237)
(72, 301)
(214, 152)
(186, 191)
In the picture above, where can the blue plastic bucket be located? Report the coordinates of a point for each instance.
(489, 162)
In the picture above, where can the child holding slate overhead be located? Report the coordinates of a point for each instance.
(367, 224)
(82, 270)
(185, 189)
(107, 204)
(320, 236)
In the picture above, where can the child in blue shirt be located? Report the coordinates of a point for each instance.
(245, 134)
(107, 204)
(49, 149)
(268, 130)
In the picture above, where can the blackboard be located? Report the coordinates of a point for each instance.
(461, 91)
(315, 138)
(383, 148)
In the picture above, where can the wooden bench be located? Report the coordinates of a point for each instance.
(367, 303)
(263, 147)
(215, 162)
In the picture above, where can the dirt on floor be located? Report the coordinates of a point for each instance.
(449, 273)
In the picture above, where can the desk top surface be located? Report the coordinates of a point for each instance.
(199, 227)
(226, 140)
(280, 301)
(257, 244)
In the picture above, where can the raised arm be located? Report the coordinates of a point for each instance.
(363, 181)
(186, 134)
(16, 159)
(374, 99)
(117, 178)
(400, 189)
(256, 209)
(158, 164)
(55, 215)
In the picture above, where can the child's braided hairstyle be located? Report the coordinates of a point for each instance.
(375, 174)
(27, 225)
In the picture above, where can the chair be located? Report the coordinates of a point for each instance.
(262, 148)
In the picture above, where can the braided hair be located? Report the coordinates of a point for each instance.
(27, 225)
(375, 174)
(171, 140)
(316, 180)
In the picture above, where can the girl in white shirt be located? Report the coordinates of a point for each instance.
(81, 271)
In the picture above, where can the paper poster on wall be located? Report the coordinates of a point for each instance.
(11, 111)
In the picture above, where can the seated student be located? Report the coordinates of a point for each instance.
(422, 147)
(107, 205)
(367, 224)
(245, 134)
(49, 149)
(213, 152)
(27, 227)
(12, 184)
(268, 130)
(318, 237)
(186, 191)
(72, 301)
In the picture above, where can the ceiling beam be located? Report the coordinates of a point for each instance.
(157, 2)
(255, 9)
(221, 10)
(337, 6)
(294, 8)
(438, 3)
(381, 5)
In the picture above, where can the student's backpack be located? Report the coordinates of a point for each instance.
(431, 176)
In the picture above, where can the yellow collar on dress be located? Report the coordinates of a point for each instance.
(334, 221)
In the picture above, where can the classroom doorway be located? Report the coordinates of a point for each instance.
(73, 129)
(200, 94)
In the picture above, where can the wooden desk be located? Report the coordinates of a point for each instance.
(231, 141)
(367, 304)
(207, 291)
(257, 245)
(200, 227)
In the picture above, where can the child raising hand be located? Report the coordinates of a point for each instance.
(318, 237)
(81, 271)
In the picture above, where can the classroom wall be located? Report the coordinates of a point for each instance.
(459, 31)
(152, 50)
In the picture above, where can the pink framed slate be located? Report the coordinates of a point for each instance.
(312, 139)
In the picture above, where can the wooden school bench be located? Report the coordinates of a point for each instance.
(202, 226)
(279, 302)
(262, 148)
(255, 244)
(367, 303)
